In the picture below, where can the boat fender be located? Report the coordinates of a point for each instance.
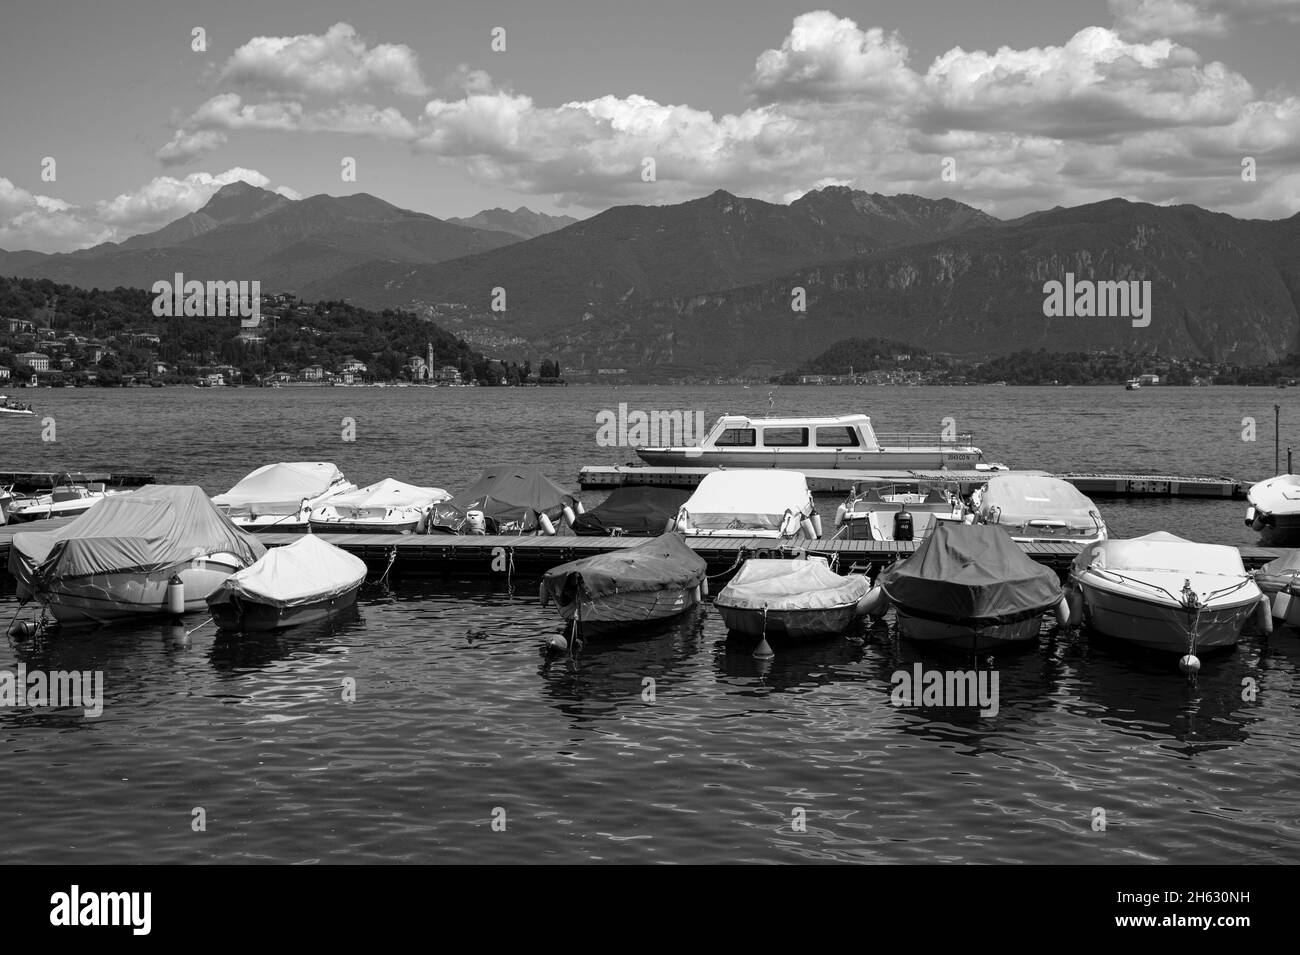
(670, 525)
(762, 554)
(969, 518)
(175, 595)
(579, 508)
(704, 586)
(808, 529)
(873, 603)
(22, 629)
(1257, 524)
(543, 594)
(817, 524)
(840, 512)
(1063, 615)
(547, 526)
(1281, 604)
(1074, 597)
(1264, 615)
(569, 516)
(1190, 663)
(557, 644)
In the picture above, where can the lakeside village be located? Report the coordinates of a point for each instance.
(55, 335)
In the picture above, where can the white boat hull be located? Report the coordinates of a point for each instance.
(111, 597)
(1160, 625)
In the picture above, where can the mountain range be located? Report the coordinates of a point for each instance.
(712, 286)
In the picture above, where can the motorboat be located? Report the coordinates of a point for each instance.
(1133, 384)
(802, 599)
(387, 507)
(897, 512)
(15, 409)
(307, 580)
(161, 549)
(1279, 580)
(654, 580)
(506, 499)
(636, 511)
(74, 495)
(7, 497)
(969, 585)
(1273, 508)
(1166, 593)
(816, 443)
(1037, 508)
(765, 504)
(280, 497)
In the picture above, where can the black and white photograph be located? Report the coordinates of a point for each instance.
(626, 433)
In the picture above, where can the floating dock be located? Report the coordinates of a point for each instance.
(28, 481)
(604, 477)
(432, 554)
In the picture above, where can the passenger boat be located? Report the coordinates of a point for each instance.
(74, 495)
(14, 409)
(632, 512)
(824, 443)
(1037, 508)
(161, 549)
(506, 499)
(657, 579)
(1166, 593)
(305, 581)
(387, 507)
(1279, 580)
(767, 504)
(1273, 508)
(970, 586)
(897, 512)
(803, 599)
(280, 497)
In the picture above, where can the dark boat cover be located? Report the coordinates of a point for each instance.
(970, 573)
(147, 530)
(658, 564)
(633, 511)
(506, 494)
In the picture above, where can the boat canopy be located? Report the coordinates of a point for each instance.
(281, 488)
(146, 530)
(1161, 552)
(970, 572)
(784, 585)
(505, 494)
(1024, 498)
(657, 564)
(635, 511)
(304, 572)
(739, 499)
(389, 493)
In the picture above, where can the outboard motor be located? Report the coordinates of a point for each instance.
(903, 525)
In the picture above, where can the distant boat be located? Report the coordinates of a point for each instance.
(387, 507)
(14, 409)
(1132, 385)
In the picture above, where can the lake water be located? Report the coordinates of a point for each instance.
(459, 719)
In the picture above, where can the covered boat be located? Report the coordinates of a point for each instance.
(506, 499)
(388, 507)
(119, 559)
(632, 512)
(1279, 580)
(1273, 508)
(760, 503)
(970, 586)
(656, 579)
(794, 598)
(280, 497)
(304, 581)
(1167, 593)
(1034, 507)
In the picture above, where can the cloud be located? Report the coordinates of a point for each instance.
(1164, 18)
(337, 63)
(187, 146)
(43, 223)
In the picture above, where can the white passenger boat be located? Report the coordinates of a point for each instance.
(74, 495)
(387, 507)
(825, 443)
(280, 497)
(1166, 593)
(897, 512)
(765, 504)
(14, 409)
(1035, 508)
(802, 599)
(1273, 508)
(157, 550)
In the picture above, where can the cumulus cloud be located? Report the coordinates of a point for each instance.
(1163, 18)
(43, 223)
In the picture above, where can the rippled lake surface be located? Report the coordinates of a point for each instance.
(459, 719)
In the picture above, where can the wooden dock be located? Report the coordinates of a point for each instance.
(603, 477)
(433, 554)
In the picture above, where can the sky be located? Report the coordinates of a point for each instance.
(120, 116)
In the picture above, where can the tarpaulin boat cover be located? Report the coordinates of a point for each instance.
(150, 529)
(782, 585)
(969, 573)
(304, 572)
(635, 511)
(747, 499)
(505, 494)
(389, 493)
(1023, 498)
(280, 488)
(1161, 552)
(661, 563)
(1280, 573)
